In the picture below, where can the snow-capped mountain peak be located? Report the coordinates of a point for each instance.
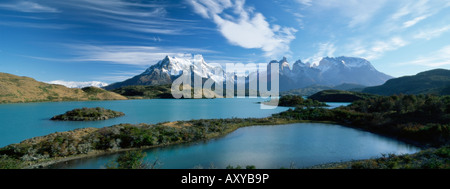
(77, 84)
(329, 63)
(174, 66)
(328, 71)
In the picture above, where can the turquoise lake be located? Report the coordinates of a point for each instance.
(304, 144)
(22, 121)
(267, 147)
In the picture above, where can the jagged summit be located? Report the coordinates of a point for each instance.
(329, 71)
(170, 68)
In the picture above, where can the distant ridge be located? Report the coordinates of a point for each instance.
(429, 82)
(14, 89)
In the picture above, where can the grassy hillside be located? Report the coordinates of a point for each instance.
(429, 82)
(423, 119)
(14, 89)
(340, 96)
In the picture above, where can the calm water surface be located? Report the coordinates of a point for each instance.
(22, 121)
(269, 147)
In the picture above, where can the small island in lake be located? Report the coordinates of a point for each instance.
(295, 101)
(88, 114)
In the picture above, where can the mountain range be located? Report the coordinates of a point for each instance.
(328, 72)
(169, 69)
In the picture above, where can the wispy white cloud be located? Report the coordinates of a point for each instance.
(411, 13)
(357, 12)
(28, 6)
(414, 21)
(305, 2)
(324, 49)
(37, 25)
(245, 27)
(432, 33)
(116, 7)
(375, 49)
(127, 55)
(410, 8)
(139, 17)
(435, 59)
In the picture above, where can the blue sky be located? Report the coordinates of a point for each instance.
(112, 40)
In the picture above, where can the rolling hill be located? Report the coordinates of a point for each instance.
(15, 89)
(430, 82)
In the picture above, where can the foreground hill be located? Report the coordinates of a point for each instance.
(430, 82)
(15, 89)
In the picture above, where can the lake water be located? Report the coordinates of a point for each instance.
(303, 144)
(268, 147)
(22, 121)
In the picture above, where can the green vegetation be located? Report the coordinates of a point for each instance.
(430, 82)
(15, 89)
(421, 119)
(239, 167)
(155, 91)
(131, 160)
(9, 163)
(308, 91)
(88, 114)
(426, 159)
(340, 96)
(145, 91)
(298, 101)
(92, 90)
(124, 136)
